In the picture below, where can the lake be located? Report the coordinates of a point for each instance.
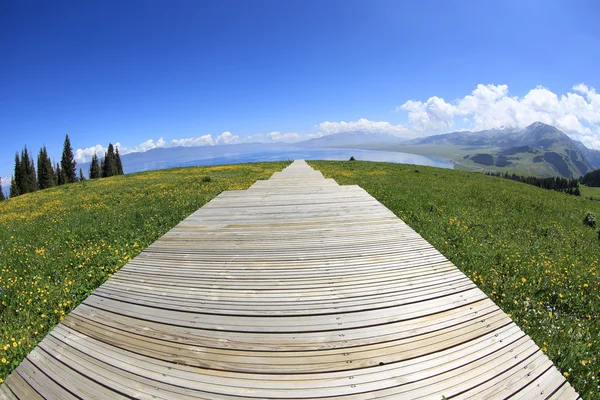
(238, 154)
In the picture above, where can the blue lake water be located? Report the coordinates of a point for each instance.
(217, 155)
(335, 154)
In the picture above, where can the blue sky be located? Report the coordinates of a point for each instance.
(163, 73)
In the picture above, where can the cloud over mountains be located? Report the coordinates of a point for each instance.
(490, 106)
(364, 125)
(576, 113)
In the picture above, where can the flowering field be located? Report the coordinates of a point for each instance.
(526, 248)
(59, 244)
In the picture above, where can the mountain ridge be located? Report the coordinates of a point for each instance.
(352, 139)
(538, 149)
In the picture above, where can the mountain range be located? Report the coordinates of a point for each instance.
(538, 149)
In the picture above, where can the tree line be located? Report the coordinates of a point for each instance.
(591, 178)
(27, 178)
(568, 186)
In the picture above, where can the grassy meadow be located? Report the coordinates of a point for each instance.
(59, 244)
(590, 192)
(525, 247)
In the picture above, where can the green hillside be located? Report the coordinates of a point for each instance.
(526, 247)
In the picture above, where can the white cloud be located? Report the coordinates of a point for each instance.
(490, 106)
(5, 181)
(433, 115)
(205, 140)
(142, 147)
(85, 155)
(227, 138)
(285, 137)
(364, 125)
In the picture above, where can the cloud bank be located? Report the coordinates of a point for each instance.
(85, 155)
(364, 125)
(577, 113)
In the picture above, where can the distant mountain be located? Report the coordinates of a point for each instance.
(538, 135)
(538, 149)
(565, 156)
(591, 154)
(353, 140)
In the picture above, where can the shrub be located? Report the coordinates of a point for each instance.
(589, 220)
(206, 179)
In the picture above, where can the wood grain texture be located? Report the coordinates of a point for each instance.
(296, 288)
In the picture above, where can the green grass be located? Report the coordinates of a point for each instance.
(59, 244)
(588, 191)
(525, 247)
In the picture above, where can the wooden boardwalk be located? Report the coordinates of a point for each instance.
(296, 288)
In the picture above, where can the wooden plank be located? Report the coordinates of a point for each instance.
(6, 393)
(20, 387)
(41, 383)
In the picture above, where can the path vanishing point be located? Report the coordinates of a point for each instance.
(296, 288)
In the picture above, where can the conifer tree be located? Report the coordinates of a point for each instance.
(118, 162)
(60, 177)
(109, 167)
(67, 162)
(81, 177)
(45, 173)
(29, 179)
(1, 192)
(95, 171)
(15, 183)
(14, 190)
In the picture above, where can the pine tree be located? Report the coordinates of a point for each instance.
(67, 162)
(109, 167)
(60, 177)
(14, 190)
(1, 192)
(15, 183)
(29, 179)
(118, 162)
(94, 168)
(45, 173)
(81, 177)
